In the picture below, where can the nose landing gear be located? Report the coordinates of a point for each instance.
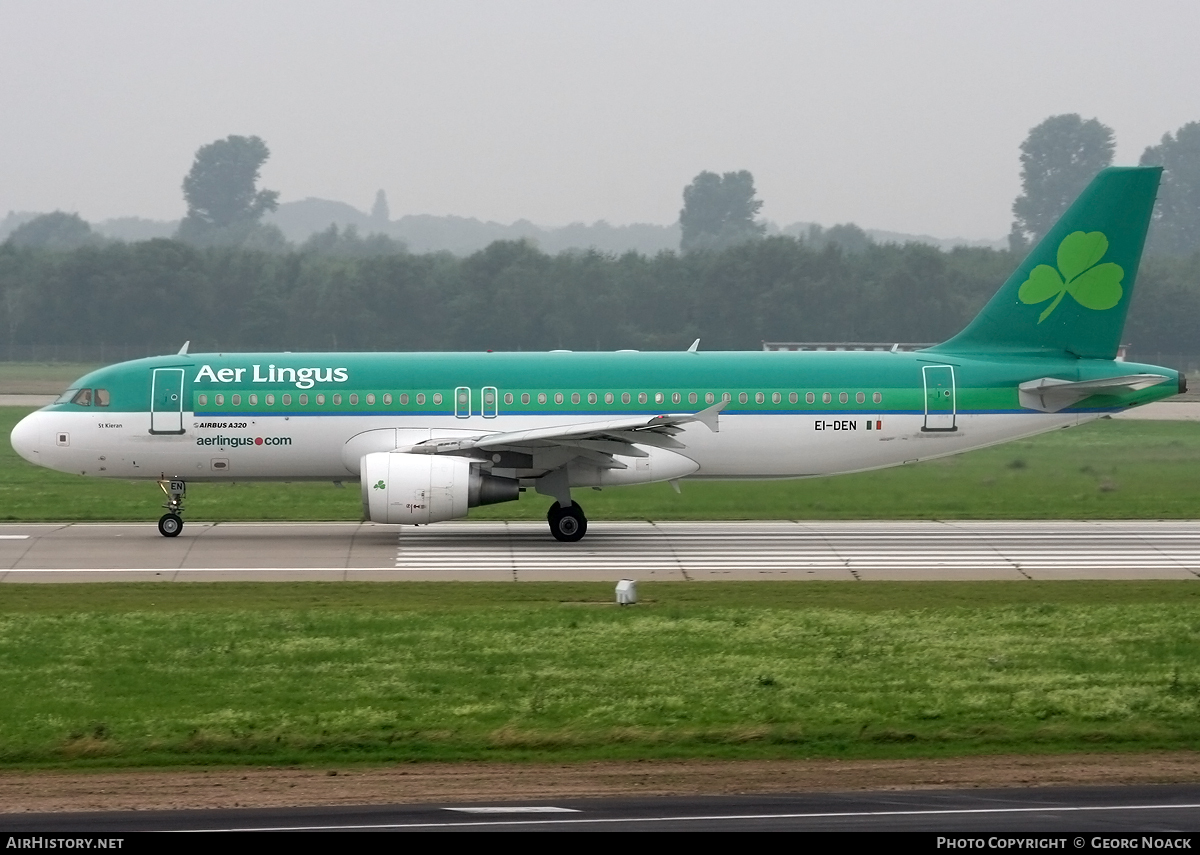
(171, 523)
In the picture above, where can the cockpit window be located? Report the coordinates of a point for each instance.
(65, 397)
(83, 398)
(102, 398)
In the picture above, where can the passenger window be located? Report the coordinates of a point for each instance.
(541, 397)
(370, 398)
(320, 400)
(437, 397)
(354, 399)
(826, 398)
(83, 398)
(254, 399)
(676, 398)
(608, 397)
(420, 399)
(270, 400)
(760, 398)
(658, 397)
(524, 397)
(843, 398)
(102, 398)
(709, 397)
(220, 400)
(287, 400)
(725, 396)
(304, 400)
(642, 397)
(558, 398)
(693, 397)
(237, 400)
(203, 400)
(776, 398)
(508, 398)
(743, 398)
(625, 398)
(860, 398)
(591, 397)
(337, 399)
(574, 397)
(387, 397)
(810, 398)
(793, 398)
(877, 398)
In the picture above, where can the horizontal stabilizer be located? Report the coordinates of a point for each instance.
(1050, 394)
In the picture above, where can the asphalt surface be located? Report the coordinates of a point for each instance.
(1164, 810)
(524, 551)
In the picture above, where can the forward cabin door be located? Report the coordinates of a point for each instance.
(166, 401)
(940, 406)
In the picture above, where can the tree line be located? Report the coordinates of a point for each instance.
(228, 282)
(511, 296)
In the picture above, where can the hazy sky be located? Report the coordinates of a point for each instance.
(894, 115)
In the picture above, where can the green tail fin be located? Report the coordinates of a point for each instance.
(1072, 292)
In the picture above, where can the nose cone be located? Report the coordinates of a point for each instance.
(25, 438)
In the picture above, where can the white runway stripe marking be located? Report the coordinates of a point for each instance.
(808, 547)
(514, 809)
(726, 817)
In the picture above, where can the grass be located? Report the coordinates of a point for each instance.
(1109, 469)
(310, 672)
(40, 378)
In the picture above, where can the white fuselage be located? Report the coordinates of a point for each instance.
(120, 445)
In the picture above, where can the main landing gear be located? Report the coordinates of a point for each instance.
(171, 523)
(567, 524)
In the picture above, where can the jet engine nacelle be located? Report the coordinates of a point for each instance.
(415, 489)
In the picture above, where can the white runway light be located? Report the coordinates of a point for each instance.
(627, 592)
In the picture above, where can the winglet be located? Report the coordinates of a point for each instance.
(183, 350)
(695, 346)
(708, 416)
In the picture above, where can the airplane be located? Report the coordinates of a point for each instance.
(431, 435)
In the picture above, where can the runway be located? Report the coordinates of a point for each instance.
(1167, 814)
(647, 551)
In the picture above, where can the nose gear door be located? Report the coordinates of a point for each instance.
(166, 401)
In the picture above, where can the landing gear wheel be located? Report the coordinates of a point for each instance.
(169, 525)
(567, 524)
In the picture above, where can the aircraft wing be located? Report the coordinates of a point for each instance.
(595, 440)
(1050, 394)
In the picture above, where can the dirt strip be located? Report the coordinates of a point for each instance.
(508, 782)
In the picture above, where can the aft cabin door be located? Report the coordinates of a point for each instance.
(166, 401)
(939, 398)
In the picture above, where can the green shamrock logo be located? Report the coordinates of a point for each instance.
(1093, 285)
(379, 485)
